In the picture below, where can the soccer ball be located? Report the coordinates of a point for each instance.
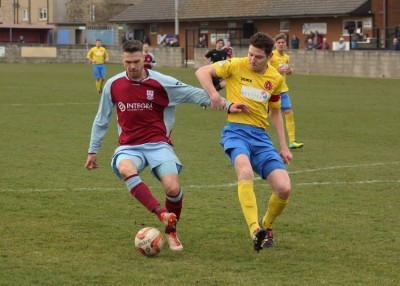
(149, 241)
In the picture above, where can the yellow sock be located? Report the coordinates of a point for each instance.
(248, 203)
(290, 126)
(101, 83)
(97, 85)
(275, 207)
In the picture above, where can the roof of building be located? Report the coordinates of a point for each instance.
(164, 10)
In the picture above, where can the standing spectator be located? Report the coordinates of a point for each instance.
(341, 44)
(310, 45)
(21, 39)
(280, 60)
(295, 42)
(146, 40)
(97, 56)
(145, 103)
(252, 81)
(149, 59)
(355, 37)
(216, 55)
(202, 42)
(324, 45)
(395, 46)
(310, 35)
(228, 49)
(126, 37)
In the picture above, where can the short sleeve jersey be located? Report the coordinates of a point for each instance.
(279, 60)
(97, 54)
(258, 91)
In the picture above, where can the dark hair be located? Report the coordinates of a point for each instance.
(132, 46)
(280, 36)
(262, 41)
(220, 40)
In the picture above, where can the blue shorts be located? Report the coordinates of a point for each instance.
(285, 101)
(253, 142)
(150, 154)
(99, 71)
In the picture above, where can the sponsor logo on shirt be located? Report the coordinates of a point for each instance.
(255, 93)
(134, 106)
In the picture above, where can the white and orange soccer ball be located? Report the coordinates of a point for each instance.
(149, 241)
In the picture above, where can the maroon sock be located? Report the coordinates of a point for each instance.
(143, 194)
(173, 207)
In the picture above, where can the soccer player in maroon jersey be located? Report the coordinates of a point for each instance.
(145, 102)
(149, 59)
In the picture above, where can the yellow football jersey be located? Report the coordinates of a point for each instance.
(279, 60)
(97, 54)
(258, 91)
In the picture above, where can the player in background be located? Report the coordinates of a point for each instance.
(97, 56)
(216, 55)
(228, 49)
(145, 103)
(280, 60)
(149, 59)
(253, 82)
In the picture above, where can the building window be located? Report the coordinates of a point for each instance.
(92, 14)
(153, 29)
(43, 14)
(284, 26)
(350, 26)
(25, 15)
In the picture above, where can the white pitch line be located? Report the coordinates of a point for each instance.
(230, 185)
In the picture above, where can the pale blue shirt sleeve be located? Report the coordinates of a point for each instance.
(102, 120)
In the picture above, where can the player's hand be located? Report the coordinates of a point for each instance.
(239, 107)
(286, 155)
(217, 103)
(91, 162)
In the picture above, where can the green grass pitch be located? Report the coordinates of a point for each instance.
(63, 225)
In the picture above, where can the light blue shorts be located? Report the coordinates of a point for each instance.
(150, 154)
(285, 101)
(253, 142)
(99, 71)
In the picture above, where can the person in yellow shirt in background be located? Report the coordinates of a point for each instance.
(97, 56)
(280, 61)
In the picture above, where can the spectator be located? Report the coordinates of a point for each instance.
(310, 45)
(395, 46)
(174, 42)
(21, 39)
(146, 40)
(228, 49)
(317, 39)
(201, 43)
(126, 37)
(355, 37)
(295, 42)
(324, 45)
(341, 45)
(310, 35)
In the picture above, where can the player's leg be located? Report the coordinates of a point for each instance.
(236, 143)
(128, 167)
(97, 76)
(168, 172)
(290, 125)
(102, 72)
(280, 183)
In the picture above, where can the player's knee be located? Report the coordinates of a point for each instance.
(283, 190)
(172, 189)
(126, 168)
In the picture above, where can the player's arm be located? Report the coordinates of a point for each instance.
(89, 56)
(106, 59)
(277, 122)
(99, 128)
(204, 75)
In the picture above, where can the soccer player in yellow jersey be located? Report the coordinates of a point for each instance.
(98, 56)
(280, 61)
(254, 82)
